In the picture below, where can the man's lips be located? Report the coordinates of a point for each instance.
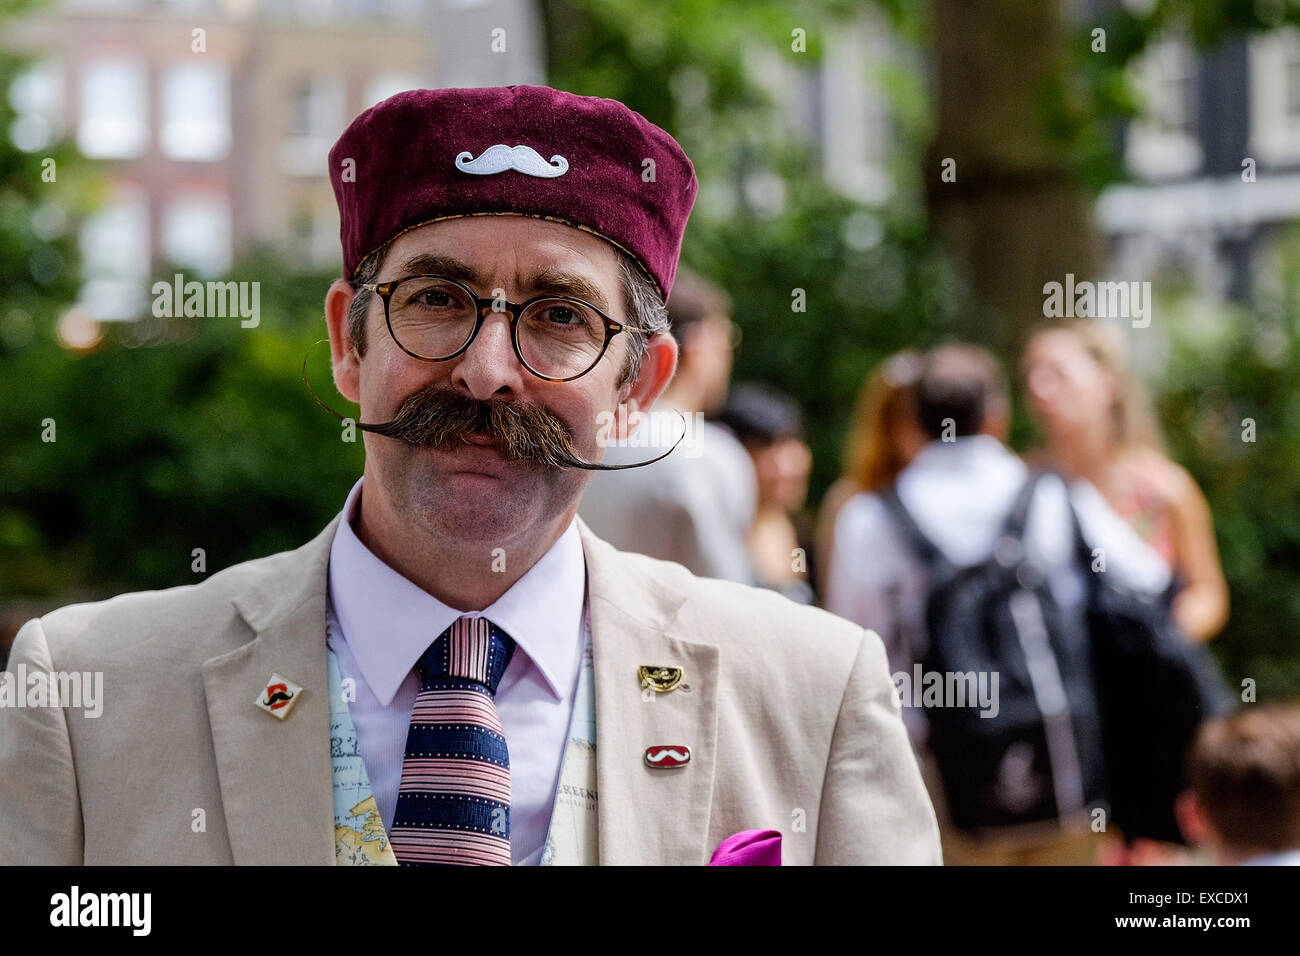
(479, 440)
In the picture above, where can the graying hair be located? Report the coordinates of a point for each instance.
(645, 309)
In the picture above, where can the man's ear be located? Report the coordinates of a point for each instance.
(657, 368)
(343, 354)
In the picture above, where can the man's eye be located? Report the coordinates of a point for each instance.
(561, 315)
(434, 297)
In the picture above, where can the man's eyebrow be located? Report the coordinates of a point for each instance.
(427, 263)
(547, 281)
(564, 283)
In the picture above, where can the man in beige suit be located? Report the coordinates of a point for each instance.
(778, 717)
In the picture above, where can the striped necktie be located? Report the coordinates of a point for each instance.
(453, 804)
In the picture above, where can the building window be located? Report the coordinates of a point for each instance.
(855, 144)
(1275, 97)
(409, 10)
(1173, 89)
(313, 236)
(315, 120)
(383, 85)
(1293, 83)
(1164, 142)
(114, 112)
(36, 94)
(316, 11)
(115, 256)
(196, 112)
(196, 233)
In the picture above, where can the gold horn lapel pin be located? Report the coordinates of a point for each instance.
(660, 679)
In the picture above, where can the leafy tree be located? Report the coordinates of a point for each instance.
(173, 435)
(1230, 401)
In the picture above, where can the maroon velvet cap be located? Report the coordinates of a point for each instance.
(426, 155)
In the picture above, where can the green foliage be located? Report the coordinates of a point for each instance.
(862, 302)
(169, 435)
(1227, 366)
(1094, 91)
(38, 256)
(204, 439)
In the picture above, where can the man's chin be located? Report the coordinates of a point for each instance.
(473, 482)
(474, 508)
(477, 495)
(471, 499)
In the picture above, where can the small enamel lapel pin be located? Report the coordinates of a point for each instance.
(278, 696)
(666, 756)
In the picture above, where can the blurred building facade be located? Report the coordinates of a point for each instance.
(213, 118)
(1215, 162)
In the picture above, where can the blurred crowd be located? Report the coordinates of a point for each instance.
(932, 536)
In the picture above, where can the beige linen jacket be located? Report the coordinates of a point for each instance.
(789, 716)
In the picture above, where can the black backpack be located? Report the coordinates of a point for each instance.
(1039, 758)
(1153, 688)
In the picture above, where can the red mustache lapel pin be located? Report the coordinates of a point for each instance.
(278, 697)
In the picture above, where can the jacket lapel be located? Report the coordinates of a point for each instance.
(275, 775)
(645, 815)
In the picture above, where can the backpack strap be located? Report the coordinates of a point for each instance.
(1018, 516)
(1082, 547)
(928, 551)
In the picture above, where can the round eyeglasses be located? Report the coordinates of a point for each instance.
(435, 318)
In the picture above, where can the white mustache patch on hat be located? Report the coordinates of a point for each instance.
(522, 159)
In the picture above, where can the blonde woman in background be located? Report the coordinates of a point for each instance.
(1098, 425)
(883, 436)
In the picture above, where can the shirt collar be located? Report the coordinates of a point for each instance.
(964, 449)
(388, 621)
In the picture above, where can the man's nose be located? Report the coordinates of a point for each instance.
(489, 367)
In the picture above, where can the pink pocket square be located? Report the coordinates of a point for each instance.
(749, 848)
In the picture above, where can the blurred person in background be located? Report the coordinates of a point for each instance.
(959, 490)
(696, 506)
(1098, 425)
(1243, 797)
(883, 437)
(770, 426)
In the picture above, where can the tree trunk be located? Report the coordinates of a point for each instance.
(1014, 218)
